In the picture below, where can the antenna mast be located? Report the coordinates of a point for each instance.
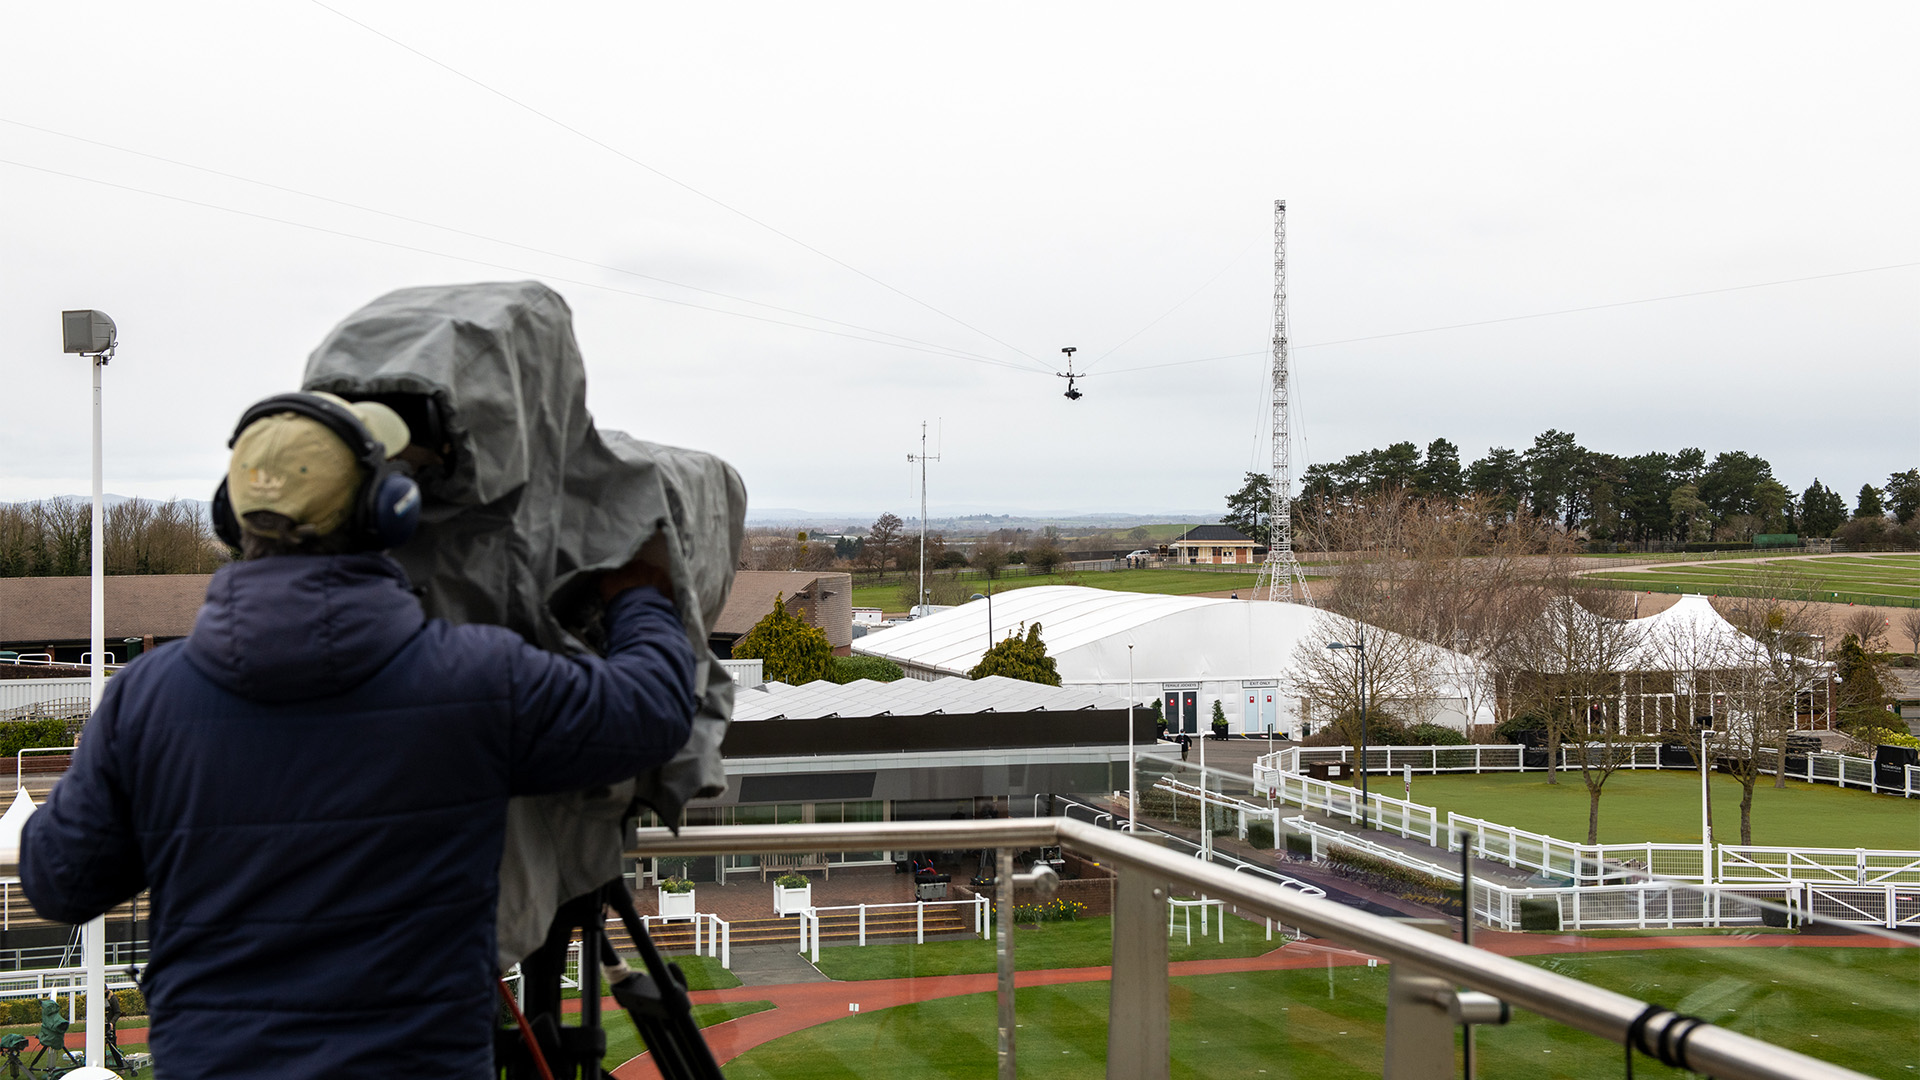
(922, 458)
(1281, 570)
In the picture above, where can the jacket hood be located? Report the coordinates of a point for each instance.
(288, 627)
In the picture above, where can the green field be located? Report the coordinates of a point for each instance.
(1166, 582)
(1663, 806)
(1859, 1008)
(1081, 943)
(1891, 579)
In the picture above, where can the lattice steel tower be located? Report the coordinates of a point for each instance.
(1281, 572)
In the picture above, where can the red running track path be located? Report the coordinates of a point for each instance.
(798, 1006)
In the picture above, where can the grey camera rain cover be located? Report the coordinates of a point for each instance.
(535, 501)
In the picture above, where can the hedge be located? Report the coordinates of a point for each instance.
(17, 735)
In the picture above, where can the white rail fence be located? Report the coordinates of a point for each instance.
(1650, 904)
(1581, 864)
(1843, 770)
(810, 920)
(1820, 866)
(1875, 886)
(1409, 819)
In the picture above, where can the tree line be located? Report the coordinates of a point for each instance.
(1656, 496)
(54, 538)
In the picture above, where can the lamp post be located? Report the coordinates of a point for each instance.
(1361, 648)
(92, 334)
(1133, 793)
(1706, 819)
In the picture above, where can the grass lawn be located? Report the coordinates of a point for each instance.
(1871, 579)
(1081, 943)
(1853, 1007)
(1664, 806)
(1166, 582)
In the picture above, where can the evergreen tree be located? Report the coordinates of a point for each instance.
(1822, 510)
(1249, 509)
(1023, 658)
(791, 651)
(1869, 505)
(1501, 476)
(1439, 474)
(1903, 496)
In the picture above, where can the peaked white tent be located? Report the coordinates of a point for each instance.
(1239, 652)
(11, 824)
(1692, 627)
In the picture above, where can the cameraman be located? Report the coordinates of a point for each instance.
(314, 784)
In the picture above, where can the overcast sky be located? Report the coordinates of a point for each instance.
(997, 181)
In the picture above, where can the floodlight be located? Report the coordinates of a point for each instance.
(89, 332)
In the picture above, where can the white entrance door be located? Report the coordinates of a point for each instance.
(1260, 714)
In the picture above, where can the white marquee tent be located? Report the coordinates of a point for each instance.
(1236, 651)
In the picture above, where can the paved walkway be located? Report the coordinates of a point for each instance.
(801, 1006)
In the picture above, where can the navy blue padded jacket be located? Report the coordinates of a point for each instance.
(314, 788)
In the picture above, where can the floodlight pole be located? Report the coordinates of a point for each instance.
(1133, 783)
(1706, 819)
(93, 335)
(1361, 648)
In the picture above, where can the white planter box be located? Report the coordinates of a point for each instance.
(676, 905)
(792, 901)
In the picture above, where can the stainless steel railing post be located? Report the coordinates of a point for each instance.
(1137, 1028)
(1003, 955)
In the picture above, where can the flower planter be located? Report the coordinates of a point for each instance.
(676, 905)
(792, 901)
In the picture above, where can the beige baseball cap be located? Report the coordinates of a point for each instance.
(295, 465)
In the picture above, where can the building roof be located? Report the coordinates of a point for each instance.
(1087, 631)
(1215, 534)
(36, 610)
(912, 697)
(754, 592)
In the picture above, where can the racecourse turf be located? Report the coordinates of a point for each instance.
(1663, 806)
(1859, 1008)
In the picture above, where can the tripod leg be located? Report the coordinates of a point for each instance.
(657, 1001)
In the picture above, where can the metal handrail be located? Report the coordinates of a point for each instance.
(1713, 1050)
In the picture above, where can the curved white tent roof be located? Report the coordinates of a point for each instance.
(1087, 632)
(1691, 627)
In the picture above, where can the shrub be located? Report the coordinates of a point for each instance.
(1434, 735)
(791, 881)
(1260, 835)
(676, 885)
(17, 735)
(845, 669)
(791, 650)
(1299, 847)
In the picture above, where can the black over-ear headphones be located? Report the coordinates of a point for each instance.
(386, 508)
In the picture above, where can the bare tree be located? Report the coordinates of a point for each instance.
(1870, 626)
(883, 542)
(1571, 669)
(1910, 622)
(1400, 672)
(1783, 620)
